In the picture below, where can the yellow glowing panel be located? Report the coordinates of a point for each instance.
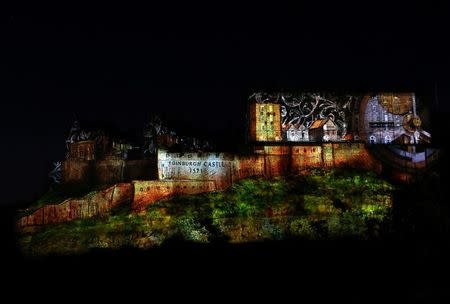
(268, 122)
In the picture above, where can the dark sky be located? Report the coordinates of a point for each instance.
(195, 65)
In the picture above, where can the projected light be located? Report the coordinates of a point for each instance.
(384, 118)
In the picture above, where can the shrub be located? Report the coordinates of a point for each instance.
(302, 227)
(191, 230)
(349, 223)
(336, 203)
(315, 204)
(271, 230)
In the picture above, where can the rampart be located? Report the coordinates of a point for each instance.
(94, 204)
(191, 173)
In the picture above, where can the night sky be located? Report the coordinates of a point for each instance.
(115, 66)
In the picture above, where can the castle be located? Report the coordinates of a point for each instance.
(287, 134)
(96, 158)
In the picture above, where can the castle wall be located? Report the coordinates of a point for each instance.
(247, 166)
(140, 169)
(84, 150)
(276, 160)
(82, 173)
(270, 161)
(97, 203)
(108, 171)
(76, 171)
(148, 192)
(304, 157)
(354, 155)
(222, 168)
(190, 173)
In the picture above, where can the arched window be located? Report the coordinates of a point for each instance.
(372, 139)
(387, 139)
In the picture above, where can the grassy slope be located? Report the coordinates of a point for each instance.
(320, 205)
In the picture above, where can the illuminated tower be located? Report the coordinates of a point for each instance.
(265, 122)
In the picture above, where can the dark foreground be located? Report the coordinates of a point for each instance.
(319, 270)
(409, 270)
(410, 266)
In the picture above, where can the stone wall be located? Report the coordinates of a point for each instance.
(96, 203)
(354, 155)
(139, 193)
(276, 160)
(108, 171)
(148, 192)
(270, 161)
(76, 171)
(81, 173)
(222, 168)
(247, 166)
(191, 173)
(142, 169)
(304, 157)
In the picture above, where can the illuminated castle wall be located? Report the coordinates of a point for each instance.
(289, 134)
(222, 169)
(82, 169)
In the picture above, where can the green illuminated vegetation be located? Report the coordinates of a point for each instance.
(318, 205)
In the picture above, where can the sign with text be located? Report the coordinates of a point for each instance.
(195, 166)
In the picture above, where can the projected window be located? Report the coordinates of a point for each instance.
(393, 118)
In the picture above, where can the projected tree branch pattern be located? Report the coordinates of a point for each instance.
(305, 108)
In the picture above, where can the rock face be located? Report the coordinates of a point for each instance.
(90, 205)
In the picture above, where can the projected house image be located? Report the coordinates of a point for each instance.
(323, 130)
(383, 118)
